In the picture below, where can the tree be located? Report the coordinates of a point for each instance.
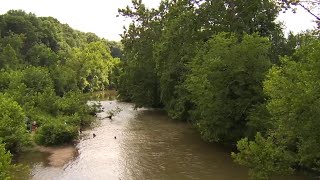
(93, 65)
(225, 83)
(13, 130)
(41, 55)
(48, 35)
(37, 79)
(9, 58)
(43, 64)
(116, 49)
(161, 42)
(5, 163)
(139, 81)
(56, 133)
(8, 170)
(263, 157)
(308, 5)
(64, 79)
(10, 51)
(179, 40)
(19, 22)
(293, 104)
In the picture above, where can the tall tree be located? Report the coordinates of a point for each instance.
(293, 139)
(139, 81)
(92, 64)
(12, 125)
(225, 83)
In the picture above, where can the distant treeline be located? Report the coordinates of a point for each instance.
(226, 67)
(45, 67)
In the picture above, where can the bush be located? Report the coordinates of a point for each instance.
(263, 157)
(13, 130)
(5, 163)
(8, 170)
(55, 134)
(73, 102)
(94, 108)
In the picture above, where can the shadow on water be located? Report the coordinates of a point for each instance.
(32, 158)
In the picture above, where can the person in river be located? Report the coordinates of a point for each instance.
(94, 135)
(34, 126)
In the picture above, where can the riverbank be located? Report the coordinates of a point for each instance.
(58, 155)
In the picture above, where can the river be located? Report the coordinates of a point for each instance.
(140, 144)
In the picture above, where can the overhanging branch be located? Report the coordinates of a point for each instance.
(309, 11)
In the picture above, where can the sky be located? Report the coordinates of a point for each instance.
(99, 16)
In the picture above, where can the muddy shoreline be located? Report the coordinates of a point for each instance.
(59, 155)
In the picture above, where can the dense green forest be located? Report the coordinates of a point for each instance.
(45, 67)
(226, 67)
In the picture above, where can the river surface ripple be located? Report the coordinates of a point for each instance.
(148, 145)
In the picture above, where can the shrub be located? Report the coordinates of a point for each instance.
(13, 130)
(7, 170)
(56, 134)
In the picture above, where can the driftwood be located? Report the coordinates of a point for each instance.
(112, 113)
(110, 117)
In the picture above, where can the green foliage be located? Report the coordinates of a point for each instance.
(74, 105)
(263, 157)
(36, 79)
(205, 61)
(12, 125)
(5, 163)
(293, 89)
(225, 82)
(296, 111)
(92, 64)
(139, 81)
(4, 80)
(41, 55)
(176, 48)
(64, 79)
(47, 101)
(56, 132)
(259, 120)
(115, 49)
(161, 42)
(45, 67)
(72, 102)
(10, 57)
(8, 170)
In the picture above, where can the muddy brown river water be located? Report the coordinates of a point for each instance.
(148, 145)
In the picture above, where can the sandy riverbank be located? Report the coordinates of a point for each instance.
(60, 155)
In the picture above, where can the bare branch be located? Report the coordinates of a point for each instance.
(309, 11)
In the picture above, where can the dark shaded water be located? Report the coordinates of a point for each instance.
(148, 145)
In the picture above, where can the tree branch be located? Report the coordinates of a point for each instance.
(309, 11)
